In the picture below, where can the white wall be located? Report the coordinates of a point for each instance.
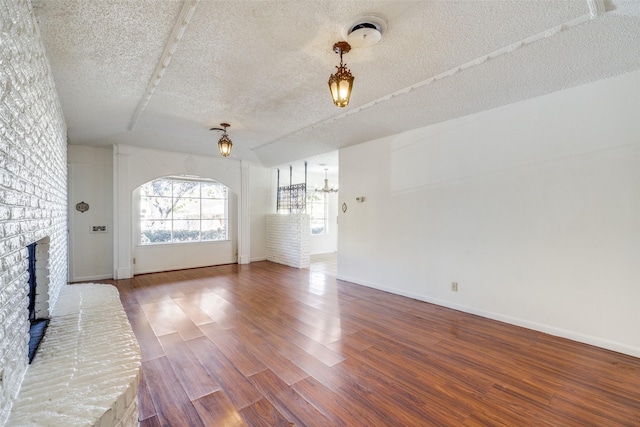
(533, 208)
(90, 180)
(33, 188)
(135, 166)
(249, 203)
(262, 203)
(167, 257)
(288, 239)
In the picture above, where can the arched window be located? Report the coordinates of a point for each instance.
(181, 209)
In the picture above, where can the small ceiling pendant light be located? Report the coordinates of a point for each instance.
(341, 83)
(326, 188)
(224, 144)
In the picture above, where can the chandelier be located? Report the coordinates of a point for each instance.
(341, 83)
(224, 143)
(326, 188)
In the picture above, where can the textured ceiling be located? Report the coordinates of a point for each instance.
(159, 74)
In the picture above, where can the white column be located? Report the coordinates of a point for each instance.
(244, 220)
(122, 261)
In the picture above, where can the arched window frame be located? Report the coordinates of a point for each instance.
(181, 209)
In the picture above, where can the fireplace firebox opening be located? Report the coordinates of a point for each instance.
(38, 325)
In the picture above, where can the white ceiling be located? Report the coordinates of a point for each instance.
(159, 74)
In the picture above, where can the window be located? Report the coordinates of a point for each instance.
(317, 210)
(178, 210)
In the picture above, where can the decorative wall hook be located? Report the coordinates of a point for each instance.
(82, 207)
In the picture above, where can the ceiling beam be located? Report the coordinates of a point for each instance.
(596, 10)
(188, 7)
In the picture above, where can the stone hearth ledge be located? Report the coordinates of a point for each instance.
(87, 369)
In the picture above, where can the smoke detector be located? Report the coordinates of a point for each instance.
(364, 30)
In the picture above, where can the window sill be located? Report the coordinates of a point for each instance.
(182, 244)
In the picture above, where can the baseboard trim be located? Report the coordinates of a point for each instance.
(123, 273)
(540, 327)
(90, 278)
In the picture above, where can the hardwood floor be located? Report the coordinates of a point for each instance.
(268, 345)
(325, 263)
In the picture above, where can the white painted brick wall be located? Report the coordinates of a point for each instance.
(33, 189)
(288, 239)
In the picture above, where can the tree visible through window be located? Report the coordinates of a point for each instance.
(174, 210)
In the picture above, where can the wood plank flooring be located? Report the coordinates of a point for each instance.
(268, 345)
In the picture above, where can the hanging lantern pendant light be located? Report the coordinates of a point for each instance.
(341, 83)
(224, 144)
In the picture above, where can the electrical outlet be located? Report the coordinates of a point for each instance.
(454, 286)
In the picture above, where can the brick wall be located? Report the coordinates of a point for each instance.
(288, 239)
(33, 188)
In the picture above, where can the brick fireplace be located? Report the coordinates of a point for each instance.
(87, 369)
(33, 188)
(33, 208)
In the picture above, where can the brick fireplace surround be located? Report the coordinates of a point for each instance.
(87, 369)
(33, 208)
